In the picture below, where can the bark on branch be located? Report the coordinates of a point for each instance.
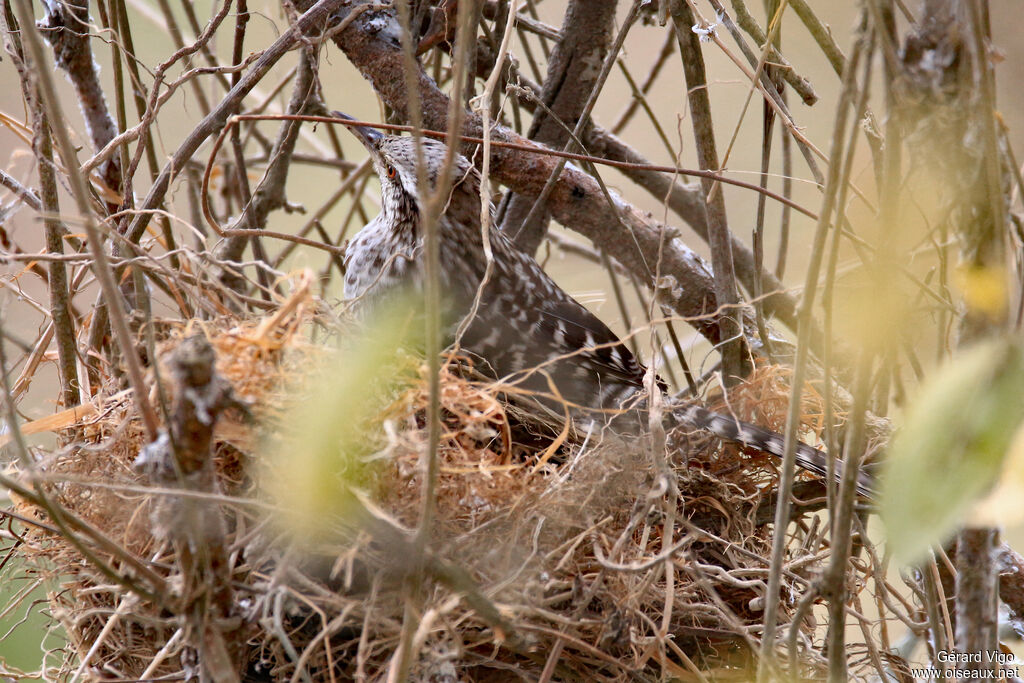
(66, 28)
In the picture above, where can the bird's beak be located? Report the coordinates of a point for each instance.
(368, 136)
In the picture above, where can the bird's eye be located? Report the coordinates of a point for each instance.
(391, 172)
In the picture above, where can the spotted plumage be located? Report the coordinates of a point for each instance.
(526, 330)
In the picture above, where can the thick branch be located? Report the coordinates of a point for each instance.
(686, 200)
(183, 459)
(977, 596)
(66, 28)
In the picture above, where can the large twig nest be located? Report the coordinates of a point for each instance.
(548, 548)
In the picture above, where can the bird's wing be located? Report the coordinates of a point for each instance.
(561, 325)
(525, 320)
(574, 329)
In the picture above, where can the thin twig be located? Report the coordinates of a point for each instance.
(215, 120)
(766, 666)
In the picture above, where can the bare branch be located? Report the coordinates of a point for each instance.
(571, 80)
(735, 365)
(101, 266)
(800, 85)
(66, 28)
(57, 278)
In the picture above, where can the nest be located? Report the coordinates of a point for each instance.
(551, 553)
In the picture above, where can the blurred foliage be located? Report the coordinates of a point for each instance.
(322, 453)
(952, 445)
(984, 290)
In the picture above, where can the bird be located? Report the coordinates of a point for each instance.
(525, 329)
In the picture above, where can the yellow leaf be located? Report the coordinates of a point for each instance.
(984, 289)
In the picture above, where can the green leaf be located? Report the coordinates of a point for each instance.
(951, 447)
(323, 450)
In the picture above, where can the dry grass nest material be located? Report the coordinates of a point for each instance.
(553, 554)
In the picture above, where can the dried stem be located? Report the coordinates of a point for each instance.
(49, 206)
(766, 666)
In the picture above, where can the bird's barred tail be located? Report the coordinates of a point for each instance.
(731, 429)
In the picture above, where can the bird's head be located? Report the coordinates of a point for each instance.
(394, 159)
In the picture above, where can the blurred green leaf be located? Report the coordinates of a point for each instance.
(322, 454)
(952, 445)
